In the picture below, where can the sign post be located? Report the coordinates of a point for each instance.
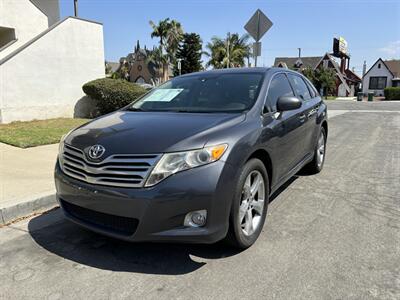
(179, 66)
(257, 26)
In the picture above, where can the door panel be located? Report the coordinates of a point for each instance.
(308, 112)
(282, 131)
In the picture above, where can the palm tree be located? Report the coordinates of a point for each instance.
(229, 52)
(160, 31)
(170, 33)
(174, 37)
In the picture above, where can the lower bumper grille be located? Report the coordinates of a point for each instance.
(120, 225)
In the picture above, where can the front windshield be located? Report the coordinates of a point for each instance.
(234, 92)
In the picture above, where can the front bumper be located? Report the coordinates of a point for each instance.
(156, 213)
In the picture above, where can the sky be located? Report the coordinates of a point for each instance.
(371, 27)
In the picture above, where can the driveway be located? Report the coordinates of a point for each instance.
(331, 236)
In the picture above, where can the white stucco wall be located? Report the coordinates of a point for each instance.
(45, 79)
(376, 72)
(51, 8)
(27, 20)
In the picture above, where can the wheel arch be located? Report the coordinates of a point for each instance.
(264, 156)
(325, 126)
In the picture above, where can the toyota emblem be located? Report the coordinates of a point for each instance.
(96, 151)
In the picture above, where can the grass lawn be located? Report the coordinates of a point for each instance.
(330, 98)
(35, 133)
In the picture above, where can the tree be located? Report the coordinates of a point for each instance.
(326, 79)
(159, 59)
(174, 37)
(229, 52)
(310, 74)
(170, 33)
(322, 78)
(160, 31)
(107, 68)
(189, 51)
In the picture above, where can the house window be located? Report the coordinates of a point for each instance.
(7, 36)
(379, 66)
(377, 83)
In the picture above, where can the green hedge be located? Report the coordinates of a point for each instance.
(392, 93)
(112, 94)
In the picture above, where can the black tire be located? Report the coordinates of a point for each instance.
(314, 167)
(236, 235)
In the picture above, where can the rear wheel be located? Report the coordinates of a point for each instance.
(316, 165)
(250, 204)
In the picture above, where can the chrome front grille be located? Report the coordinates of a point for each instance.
(122, 170)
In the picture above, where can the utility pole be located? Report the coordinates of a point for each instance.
(299, 52)
(76, 8)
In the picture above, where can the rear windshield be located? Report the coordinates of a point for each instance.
(203, 93)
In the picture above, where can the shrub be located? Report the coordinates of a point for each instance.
(112, 94)
(392, 93)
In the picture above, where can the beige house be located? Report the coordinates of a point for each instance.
(44, 61)
(137, 67)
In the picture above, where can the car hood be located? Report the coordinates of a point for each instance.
(126, 132)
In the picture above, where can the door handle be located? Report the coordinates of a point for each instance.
(302, 117)
(312, 112)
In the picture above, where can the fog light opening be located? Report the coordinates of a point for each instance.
(196, 218)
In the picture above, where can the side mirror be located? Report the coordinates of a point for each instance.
(288, 103)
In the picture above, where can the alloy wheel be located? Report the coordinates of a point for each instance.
(321, 150)
(252, 203)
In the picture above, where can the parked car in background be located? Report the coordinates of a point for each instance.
(194, 160)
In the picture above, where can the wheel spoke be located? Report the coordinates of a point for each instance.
(242, 211)
(255, 185)
(252, 202)
(249, 222)
(247, 183)
(258, 206)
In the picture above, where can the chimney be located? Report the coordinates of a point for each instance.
(364, 68)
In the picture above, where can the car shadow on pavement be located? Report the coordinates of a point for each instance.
(283, 188)
(84, 247)
(69, 241)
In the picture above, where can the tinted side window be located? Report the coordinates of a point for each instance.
(278, 87)
(300, 87)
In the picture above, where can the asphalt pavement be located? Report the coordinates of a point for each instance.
(335, 235)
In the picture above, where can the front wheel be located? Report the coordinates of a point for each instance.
(249, 206)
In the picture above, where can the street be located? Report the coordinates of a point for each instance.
(335, 235)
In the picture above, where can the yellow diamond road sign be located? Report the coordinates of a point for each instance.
(258, 25)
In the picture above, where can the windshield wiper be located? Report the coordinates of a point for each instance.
(135, 109)
(190, 111)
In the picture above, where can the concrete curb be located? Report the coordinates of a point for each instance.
(26, 208)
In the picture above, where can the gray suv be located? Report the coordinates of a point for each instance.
(194, 160)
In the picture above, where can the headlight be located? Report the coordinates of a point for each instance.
(172, 163)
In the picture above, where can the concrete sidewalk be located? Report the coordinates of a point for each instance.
(26, 180)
